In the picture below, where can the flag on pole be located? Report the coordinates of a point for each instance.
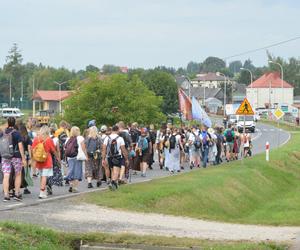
(199, 114)
(185, 105)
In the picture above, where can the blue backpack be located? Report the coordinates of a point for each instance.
(143, 143)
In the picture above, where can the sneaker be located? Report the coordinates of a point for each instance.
(90, 185)
(43, 195)
(49, 190)
(178, 171)
(70, 189)
(143, 175)
(26, 191)
(75, 190)
(6, 199)
(34, 176)
(99, 183)
(18, 197)
(12, 194)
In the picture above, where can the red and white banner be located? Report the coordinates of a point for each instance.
(185, 105)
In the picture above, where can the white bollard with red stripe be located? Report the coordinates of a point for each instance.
(267, 151)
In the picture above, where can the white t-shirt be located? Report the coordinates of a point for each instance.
(55, 141)
(192, 137)
(120, 141)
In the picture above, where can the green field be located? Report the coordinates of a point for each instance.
(27, 237)
(248, 192)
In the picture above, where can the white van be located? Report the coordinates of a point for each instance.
(249, 123)
(11, 112)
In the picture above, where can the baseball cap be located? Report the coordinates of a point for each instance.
(103, 128)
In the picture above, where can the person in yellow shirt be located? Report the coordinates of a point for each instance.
(63, 127)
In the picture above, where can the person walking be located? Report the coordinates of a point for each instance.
(12, 156)
(175, 146)
(93, 168)
(195, 145)
(144, 148)
(113, 152)
(205, 138)
(75, 152)
(229, 138)
(27, 144)
(124, 133)
(57, 178)
(42, 148)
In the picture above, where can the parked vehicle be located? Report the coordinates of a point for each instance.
(233, 119)
(11, 112)
(249, 123)
(43, 117)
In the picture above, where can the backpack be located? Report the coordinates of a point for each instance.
(172, 142)
(71, 147)
(152, 137)
(62, 138)
(143, 143)
(6, 146)
(205, 137)
(197, 142)
(112, 146)
(127, 138)
(39, 153)
(134, 134)
(229, 136)
(92, 145)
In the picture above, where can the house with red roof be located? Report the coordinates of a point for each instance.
(270, 91)
(49, 100)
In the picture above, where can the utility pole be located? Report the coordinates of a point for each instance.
(10, 92)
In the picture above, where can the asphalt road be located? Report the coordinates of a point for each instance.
(263, 134)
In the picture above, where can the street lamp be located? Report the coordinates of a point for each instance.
(221, 74)
(60, 84)
(281, 68)
(251, 78)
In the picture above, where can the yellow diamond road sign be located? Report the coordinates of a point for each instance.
(278, 113)
(245, 108)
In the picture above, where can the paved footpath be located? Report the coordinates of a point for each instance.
(69, 215)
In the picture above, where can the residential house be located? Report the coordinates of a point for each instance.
(210, 80)
(49, 100)
(270, 91)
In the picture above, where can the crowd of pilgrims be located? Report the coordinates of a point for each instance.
(62, 155)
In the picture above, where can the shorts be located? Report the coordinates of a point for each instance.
(145, 157)
(46, 172)
(7, 164)
(116, 162)
(229, 147)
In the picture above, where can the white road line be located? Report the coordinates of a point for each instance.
(259, 133)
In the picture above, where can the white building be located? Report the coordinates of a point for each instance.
(209, 80)
(269, 91)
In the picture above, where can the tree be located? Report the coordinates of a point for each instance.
(235, 67)
(13, 69)
(164, 85)
(193, 68)
(112, 99)
(91, 68)
(213, 64)
(110, 69)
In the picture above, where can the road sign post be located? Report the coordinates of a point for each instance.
(244, 110)
(278, 113)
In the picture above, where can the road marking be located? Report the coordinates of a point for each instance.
(259, 133)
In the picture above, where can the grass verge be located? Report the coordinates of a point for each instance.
(22, 236)
(248, 192)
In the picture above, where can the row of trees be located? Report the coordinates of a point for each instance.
(25, 78)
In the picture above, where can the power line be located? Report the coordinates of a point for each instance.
(262, 48)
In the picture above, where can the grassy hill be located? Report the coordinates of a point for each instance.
(250, 192)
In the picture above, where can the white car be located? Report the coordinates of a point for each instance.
(11, 112)
(249, 123)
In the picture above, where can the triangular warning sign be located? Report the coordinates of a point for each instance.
(245, 108)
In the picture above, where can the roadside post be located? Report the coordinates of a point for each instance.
(267, 151)
(244, 109)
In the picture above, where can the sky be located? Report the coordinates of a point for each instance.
(146, 33)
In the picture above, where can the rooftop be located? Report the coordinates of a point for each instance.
(51, 95)
(270, 80)
(209, 77)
